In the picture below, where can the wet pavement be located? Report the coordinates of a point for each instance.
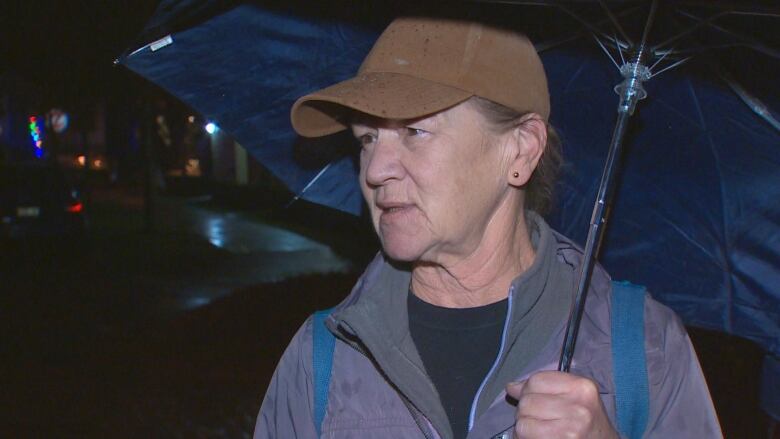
(93, 344)
(197, 253)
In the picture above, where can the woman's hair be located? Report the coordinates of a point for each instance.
(540, 189)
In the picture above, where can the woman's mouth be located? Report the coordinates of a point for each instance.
(390, 211)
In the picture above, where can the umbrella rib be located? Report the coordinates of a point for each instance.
(616, 23)
(726, 262)
(669, 67)
(713, 151)
(750, 42)
(688, 237)
(721, 4)
(752, 102)
(660, 59)
(680, 52)
(609, 55)
(648, 25)
(688, 118)
(620, 50)
(590, 26)
(540, 47)
(308, 185)
(702, 23)
(574, 77)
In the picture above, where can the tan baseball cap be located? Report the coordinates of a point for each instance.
(422, 65)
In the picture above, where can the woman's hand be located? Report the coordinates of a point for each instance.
(559, 405)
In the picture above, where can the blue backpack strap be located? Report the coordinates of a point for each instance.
(632, 402)
(322, 361)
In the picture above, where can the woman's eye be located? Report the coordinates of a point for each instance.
(415, 131)
(366, 139)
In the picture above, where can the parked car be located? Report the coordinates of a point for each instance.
(37, 200)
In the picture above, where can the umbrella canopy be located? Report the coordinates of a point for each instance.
(244, 67)
(695, 217)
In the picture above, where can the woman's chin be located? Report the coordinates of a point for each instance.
(402, 250)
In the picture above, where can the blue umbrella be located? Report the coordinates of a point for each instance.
(244, 68)
(695, 216)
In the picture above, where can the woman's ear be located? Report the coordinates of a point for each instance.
(528, 138)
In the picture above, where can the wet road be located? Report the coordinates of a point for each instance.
(235, 232)
(194, 255)
(244, 252)
(89, 324)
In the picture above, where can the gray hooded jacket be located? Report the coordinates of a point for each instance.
(379, 387)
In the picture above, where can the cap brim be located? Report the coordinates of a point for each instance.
(385, 95)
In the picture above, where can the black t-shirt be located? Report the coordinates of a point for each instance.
(458, 346)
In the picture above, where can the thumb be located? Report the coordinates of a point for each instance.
(515, 389)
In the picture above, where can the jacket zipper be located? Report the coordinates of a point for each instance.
(504, 434)
(474, 403)
(422, 422)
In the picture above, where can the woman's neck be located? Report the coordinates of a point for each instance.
(484, 275)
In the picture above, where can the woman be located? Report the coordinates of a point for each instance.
(455, 328)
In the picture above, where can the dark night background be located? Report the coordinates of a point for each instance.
(67, 48)
(163, 315)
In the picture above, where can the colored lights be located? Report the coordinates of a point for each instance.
(36, 134)
(58, 120)
(75, 207)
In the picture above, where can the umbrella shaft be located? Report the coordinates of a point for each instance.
(594, 236)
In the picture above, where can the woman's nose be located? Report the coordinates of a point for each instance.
(383, 161)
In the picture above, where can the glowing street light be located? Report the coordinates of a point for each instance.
(211, 128)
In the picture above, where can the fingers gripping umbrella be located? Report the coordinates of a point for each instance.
(695, 216)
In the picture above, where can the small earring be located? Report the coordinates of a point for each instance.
(515, 174)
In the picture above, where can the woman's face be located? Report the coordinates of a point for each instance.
(432, 185)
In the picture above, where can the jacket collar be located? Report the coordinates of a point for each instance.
(374, 318)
